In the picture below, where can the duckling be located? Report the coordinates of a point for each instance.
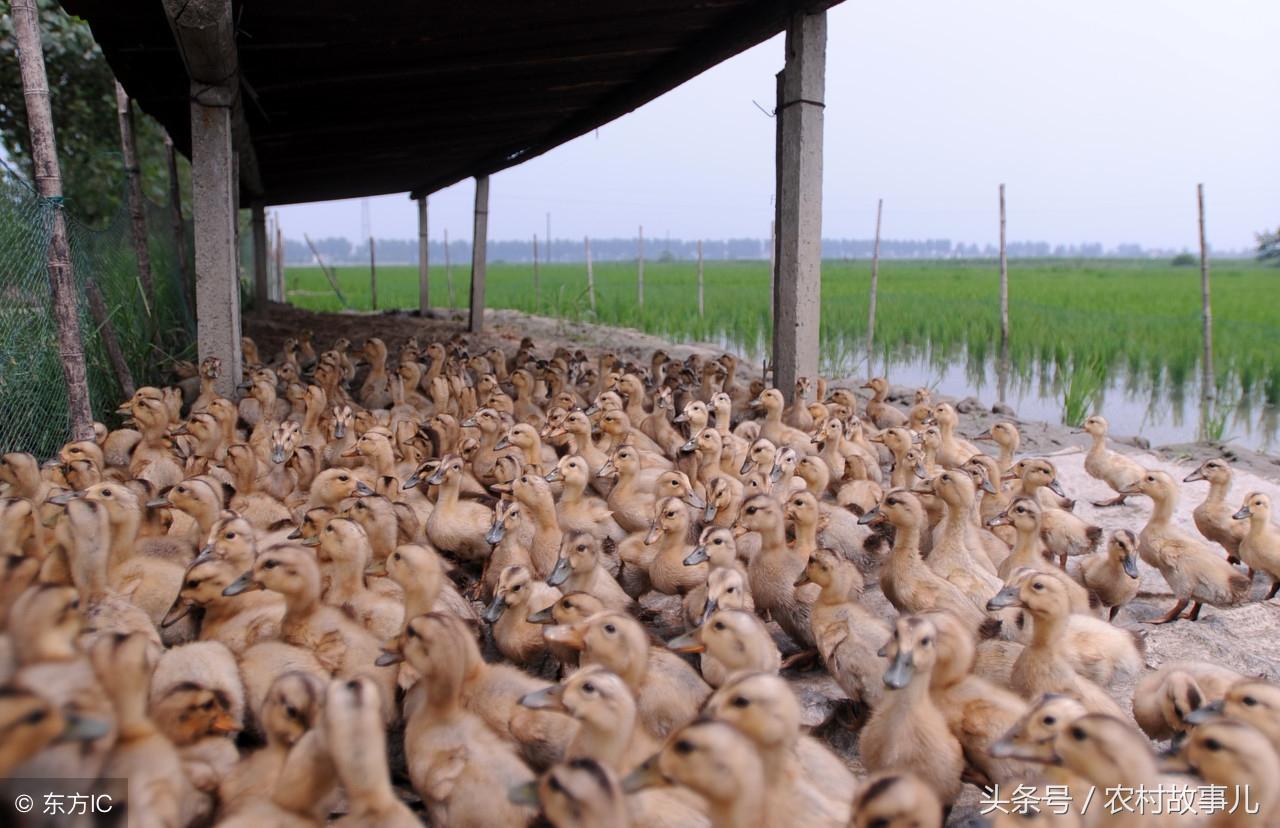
(1029, 552)
(1063, 533)
(602, 704)
(289, 709)
(1237, 758)
(343, 555)
(1031, 739)
(457, 526)
(1042, 667)
(1163, 698)
(881, 412)
(736, 642)
(331, 488)
(774, 429)
(1111, 467)
(847, 635)
(420, 573)
(906, 580)
(1213, 516)
(519, 594)
(352, 728)
(580, 569)
(386, 524)
(1112, 575)
(30, 723)
(895, 800)
(775, 568)
(1251, 701)
(576, 511)
(1005, 435)
(1195, 574)
(196, 715)
(538, 508)
(631, 498)
(951, 556)
(668, 691)
(455, 761)
(906, 731)
(578, 793)
(1260, 547)
(669, 537)
(953, 451)
(717, 762)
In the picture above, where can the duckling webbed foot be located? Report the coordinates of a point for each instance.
(1195, 612)
(806, 658)
(1174, 613)
(1118, 500)
(1275, 588)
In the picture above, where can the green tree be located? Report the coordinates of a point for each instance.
(82, 89)
(1269, 246)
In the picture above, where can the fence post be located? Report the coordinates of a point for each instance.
(591, 278)
(479, 242)
(1206, 312)
(700, 306)
(640, 268)
(875, 286)
(284, 297)
(448, 270)
(424, 275)
(537, 291)
(48, 181)
(1004, 277)
(137, 209)
(373, 276)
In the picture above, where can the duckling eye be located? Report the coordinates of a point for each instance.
(719, 625)
(879, 822)
(270, 564)
(588, 688)
(610, 629)
(582, 547)
(192, 584)
(567, 605)
(740, 701)
(1078, 734)
(182, 490)
(230, 536)
(751, 510)
(731, 589)
(396, 556)
(1249, 701)
(207, 705)
(343, 478)
(517, 588)
(926, 641)
(106, 493)
(671, 514)
(328, 528)
(718, 542)
(1151, 478)
(683, 747)
(1049, 720)
(35, 716)
(1037, 586)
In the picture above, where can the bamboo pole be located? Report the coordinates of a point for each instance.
(1004, 275)
(537, 291)
(137, 207)
(48, 180)
(373, 275)
(640, 268)
(1206, 311)
(875, 287)
(700, 304)
(178, 225)
(328, 274)
(424, 260)
(591, 278)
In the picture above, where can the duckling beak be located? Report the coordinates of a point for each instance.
(560, 573)
(494, 536)
(83, 729)
(388, 658)
(470, 422)
(988, 486)
(524, 794)
(495, 609)
(225, 725)
(65, 498)
(876, 438)
(925, 488)
(1056, 488)
(548, 698)
(159, 503)
(870, 517)
(747, 466)
(410, 482)
(553, 475)
(646, 775)
(687, 643)
(542, 616)
(436, 478)
(502, 443)
(501, 488)
(986, 435)
(690, 445)
(245, 583)
(294, 535)
(1007, 597)
(340, 430)
(1001, 519)
(567, 634)
(655, 532)
(696, 502)
(682, 418)
(775, 474)
(277, 454)
(377, 569)
(1131, 565)
(709, 610)
(803, 579)
(1203, 714)
(309, 542)
(921, 472)
(1194, 476)
(1003, 749)
(181, 607)
(1243, 514)
(607, 470)
(206, 551)
(1135, 489)
(363, 490)
(697, 556)
(591, 410)
(900, 671)
(709, 513)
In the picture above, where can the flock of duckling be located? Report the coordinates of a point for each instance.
(446, 581)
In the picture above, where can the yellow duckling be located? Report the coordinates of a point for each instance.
(579, 793)
(580, 569)
(351, 724)
(1238, 758)
(895, 800)
(669, 535)
(735, 642)
(1111, 467)
(1064, 534)
(456, 526)
(518, 595)
(576, 510)
(1260, 547)
(775, 568)
(1112, 575)
(1214, 516)
(343, 554)
(847, 635)
(1006, 436)
(1163, 698)
(883, 414)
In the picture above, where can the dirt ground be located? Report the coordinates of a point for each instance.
(1218, 637)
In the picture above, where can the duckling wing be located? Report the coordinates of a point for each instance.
(445, 771)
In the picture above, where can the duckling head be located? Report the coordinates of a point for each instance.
(1155, 484)
(670, 519)
(578, 553)
(1100, 747)
(736, 638)
(726, 589)
(45, 622)
(30, 723)
(911, 651)
(1043, 594)
(202, 585)
(1096, 426)
(577, 793)
(760, 705)
(1023, 513)
(1256, 508)
(984, 471)
(1031, 738)
(289, 570)
(189, 712)
(1252, 701)
(759, 456)
(1230, 753)
(710, 758)
(514, 585)
(895, 800)
(899, 507)
(1214, 470)
(759, 513)
(612, 639)
(716, 545)
(344, 541)
(1122, 547)
(569, 610)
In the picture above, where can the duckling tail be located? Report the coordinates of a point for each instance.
(989, 628)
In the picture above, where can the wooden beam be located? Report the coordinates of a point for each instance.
(479, 241)
(798, 205)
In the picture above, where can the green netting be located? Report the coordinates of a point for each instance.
(33, 399)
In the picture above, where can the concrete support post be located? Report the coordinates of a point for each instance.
(798, 208)
(424, 275)
(479, 241)
(213, 199)
(261, 278)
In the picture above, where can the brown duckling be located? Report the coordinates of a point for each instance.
(576, 510)
(775, 568)
(1111, 467)
(1260, 547)
(578, 793)
(881, 412)
(1005, 435)
(351, 724)
(1241, 760)
(518, 595)
(343, 554)
(736, 642)
(1214, 515)
(669, 535)
(580, 569)
(30, 723)
(1063, 533)
(907, 732)
(1252, 701)
(420, 573)
(456, 525)
(1163, 698)
(1194, 572)
(895, 800)
(1029, 551)
(848, 637)
(1112, 575)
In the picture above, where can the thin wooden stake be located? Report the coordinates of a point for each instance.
(280, 258)
(875, 287)
(448, 270)
(328, 274)
(537, 291)
(1004, 277)
(640, 268)
(1206, 311)
(424, 260)
(591, 278)
(373, 275)
(700, 305)
(137, 207)
(48, 180)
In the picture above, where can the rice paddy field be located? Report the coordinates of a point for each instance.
(1118, 337)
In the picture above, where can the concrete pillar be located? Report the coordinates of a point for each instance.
(213, 202)
(424, 277)
(479, 240)
(798, 205)
(261, 280)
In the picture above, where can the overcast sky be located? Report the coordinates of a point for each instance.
(1099, 115)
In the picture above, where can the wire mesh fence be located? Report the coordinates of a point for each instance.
(151, 333)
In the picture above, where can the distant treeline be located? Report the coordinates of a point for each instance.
(339, 250)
